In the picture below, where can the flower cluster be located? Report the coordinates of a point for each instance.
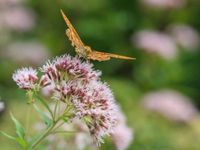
(76, 84)
(25, 78)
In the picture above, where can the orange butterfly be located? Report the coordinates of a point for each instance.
(84, 50)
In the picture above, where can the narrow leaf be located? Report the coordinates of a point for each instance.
(8, 136)
(22, 142)
(19, 128)
(44, 103)
(45, 118)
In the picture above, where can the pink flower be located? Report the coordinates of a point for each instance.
(156, 43)
(18, 19)
(6, 3)
(48, 90)
(76, 68)
(122, 135)
(185, 36)
(92, 100)
(31, 52)
(164, 4)
(76, 84)
(171, 105)
(51, 74)
(25, 78)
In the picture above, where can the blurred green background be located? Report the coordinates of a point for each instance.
(33, 31)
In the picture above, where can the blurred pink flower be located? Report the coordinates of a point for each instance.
(48, 90)
(82, 138)
(171, 105)
(185, 36)
(31, 52)
(122, 135)
(17, 18)
(164, 4)
(6, 3)
(155, 42)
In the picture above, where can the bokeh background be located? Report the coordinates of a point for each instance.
(159, 92)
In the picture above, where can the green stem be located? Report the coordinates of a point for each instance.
(28, 117)
(44, 104)
(57, 127)
(55, 132)
(52, 128)
(55, 110)
(45, 134)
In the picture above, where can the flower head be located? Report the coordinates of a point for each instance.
(25, 78)
(76, 68)
(94, 102)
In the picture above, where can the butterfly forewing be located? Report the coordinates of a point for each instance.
(73, 35)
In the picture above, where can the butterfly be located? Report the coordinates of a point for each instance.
(86, 51)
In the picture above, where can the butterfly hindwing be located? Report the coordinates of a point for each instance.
(102, 56)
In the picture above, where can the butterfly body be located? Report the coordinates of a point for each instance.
(86, 51)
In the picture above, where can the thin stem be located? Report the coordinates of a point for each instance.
(55, 110)
(53, 127)
(58, 126)
(45, 134)
(44, 103)
(28, 117)
(55, 132)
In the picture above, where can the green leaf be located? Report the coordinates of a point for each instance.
(8, 136)
(19, 140)
(44, 104)
(65, 119)
(19, 128)
(22, 142)
(45, 118)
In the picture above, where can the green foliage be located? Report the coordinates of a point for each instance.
(20, 139)
(46, 119)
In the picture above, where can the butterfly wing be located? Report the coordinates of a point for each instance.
(84, 50)
(73, 36)
(102, 56)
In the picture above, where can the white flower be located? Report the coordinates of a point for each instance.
(25, 78)
(2, 106)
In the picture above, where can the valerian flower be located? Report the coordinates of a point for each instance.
(25, 78)
(76, 85)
